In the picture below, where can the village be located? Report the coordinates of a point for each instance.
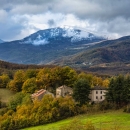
(97, 93)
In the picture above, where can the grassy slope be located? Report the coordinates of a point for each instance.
(100, 120)
(5, 94)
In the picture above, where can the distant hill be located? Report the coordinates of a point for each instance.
(107, 56)
(47, 45)
(14, 66)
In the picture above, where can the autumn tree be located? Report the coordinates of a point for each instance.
(43, 78)
(105, 83)
(29, 86)
(68, 76)
(31, 73)
(55, 77)
(16, 100)
(4, 80)
(88, 77)
(17, 82)
(97, 81)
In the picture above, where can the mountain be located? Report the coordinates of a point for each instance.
(48, 45)
(70, 34)
(107, 56)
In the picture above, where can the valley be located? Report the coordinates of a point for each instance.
(64, 65)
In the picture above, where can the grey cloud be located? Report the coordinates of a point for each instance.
(120, 25)
(51, 23)
(94, 9)
(8, 32)
(97, 9)
(11, 27)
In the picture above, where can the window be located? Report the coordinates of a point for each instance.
(101, 97)
(96, 97)
(96, 92)
(100, 92)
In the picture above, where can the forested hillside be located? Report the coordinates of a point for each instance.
(21, 111)
(111, 57)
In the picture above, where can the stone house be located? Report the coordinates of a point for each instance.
(40, 94)
(63, 91)
(97, 94)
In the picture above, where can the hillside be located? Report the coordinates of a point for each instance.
(99, 120)
(102, 57)
(7, 67)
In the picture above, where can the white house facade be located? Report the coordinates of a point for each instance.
(97, 94)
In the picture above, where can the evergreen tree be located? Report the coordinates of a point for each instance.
(119, 90)
(110, 93)
(81, 91)
(126, 90)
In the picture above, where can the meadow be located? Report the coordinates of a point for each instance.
(5, 94)
(109, 120)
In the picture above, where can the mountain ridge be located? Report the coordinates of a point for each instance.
(107, 56)
(47, 45)
(42, 37)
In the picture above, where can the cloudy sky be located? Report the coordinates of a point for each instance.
(19, 18)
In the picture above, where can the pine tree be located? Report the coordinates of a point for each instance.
(110, 93)
(81, 91)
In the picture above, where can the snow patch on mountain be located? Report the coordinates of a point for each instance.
(40, 42)
(78, 35)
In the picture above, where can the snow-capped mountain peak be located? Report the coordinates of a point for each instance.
(43, 37)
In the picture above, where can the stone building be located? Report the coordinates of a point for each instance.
(63, 91)
(40, 94)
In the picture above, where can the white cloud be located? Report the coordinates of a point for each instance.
(3, 15)
(19, 18)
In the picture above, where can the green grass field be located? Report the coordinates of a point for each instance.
(5, 94)
(111, 119)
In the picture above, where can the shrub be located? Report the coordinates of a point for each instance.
(127, 109)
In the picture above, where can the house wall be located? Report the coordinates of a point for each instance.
(58, 92)
(63, 91)
(97, 95)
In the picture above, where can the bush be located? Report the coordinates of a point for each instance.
(127, 109)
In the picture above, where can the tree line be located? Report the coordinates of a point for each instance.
(30, 80)
(119, 90)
